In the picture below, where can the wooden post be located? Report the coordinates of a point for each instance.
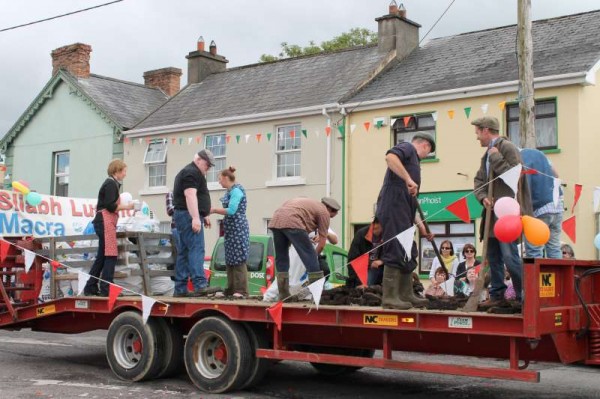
(525, 60)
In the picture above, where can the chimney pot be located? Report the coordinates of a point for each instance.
(202, 64)
(75, 58)
(213, 48)
(402, 10)
(393, 8)
(200, 43)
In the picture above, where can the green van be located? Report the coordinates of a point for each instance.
(261, 264)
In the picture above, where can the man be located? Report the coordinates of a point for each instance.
(541, 185)
(396, 210)
(364, 241)
(191, 200)
(171, 212)
(291, 224)
(500, 156)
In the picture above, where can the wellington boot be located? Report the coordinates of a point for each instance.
(391, 290)
(283, 285)
(240, 281)
(314, 276)
(230, 281)
(407, 294)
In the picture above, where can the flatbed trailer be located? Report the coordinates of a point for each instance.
(230, 344)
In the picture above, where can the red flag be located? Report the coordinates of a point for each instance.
(258, 137)
(55, 264)
(4, 247)
(460, 209)
(328, 130)
(578, 188)
(569, 226)
(263, 289)
(406, 120)
(113, 293)
(275, 311)
(292, 134)
(361, 266)
(198, 138)
(126, 140)
(367, 126)
(526, 171)
(173, 140)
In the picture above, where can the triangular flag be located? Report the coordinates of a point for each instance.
(502, 105)
(55, 265)
(269, 136)
(342, 130)
(218, 139)
(406, 120)
(392, 121)
(361, 266)
(460, 209)
(569, 226)
(258, 137)
(227, 138)
(247, 137)
(180, 140)
(556, 191)
(190, 140)
(434, 116)
(596, 198)
(292, 134)
(484, 108)
(379, 124)
(275, 311)
(367, 126)
(82, 279)
(316, 289)
(141, 140)
(198, 138)
(173, 140)
(406, 240)
(29, 258)
(4, 247)
(237, 138)
(126, 140)
(328, 130)
(305, 133)
(451, 114)
(113, 293)
(147, 304)
(578, 188)
(511, 177)
(468, 112)
(352, 128)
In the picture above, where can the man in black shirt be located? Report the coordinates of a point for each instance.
(191, 200)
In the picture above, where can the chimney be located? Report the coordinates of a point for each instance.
(75, 58)
(396, 32)
(166, 79)
(202, 63)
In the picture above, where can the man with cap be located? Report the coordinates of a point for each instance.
(191, 200)
(397, 212)
(291, 225)
(500, 156)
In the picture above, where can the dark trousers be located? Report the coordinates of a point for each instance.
(103, 267)
(283, 238)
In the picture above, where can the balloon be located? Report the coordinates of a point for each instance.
(20, 187)
(597, 241)
(506, 206)
(508, 228)
(33, 198)
(126, 198)
(536, 231)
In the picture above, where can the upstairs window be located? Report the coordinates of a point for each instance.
(288, 151)
(546, 131)
(155, 160)
(216, 144)
(61, 174)
(415, 124)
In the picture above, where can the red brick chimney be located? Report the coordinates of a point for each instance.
(75, 58)
(166, 79)
(202, 63)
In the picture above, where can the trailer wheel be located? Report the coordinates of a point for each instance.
(218, 355)
(172, 349)
(337, 369)
(132, 347)
(260, 366)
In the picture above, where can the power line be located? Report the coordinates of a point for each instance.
(60, 16)
(438, 20)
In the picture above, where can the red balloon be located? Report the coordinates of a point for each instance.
(55, 264)
(508, 228)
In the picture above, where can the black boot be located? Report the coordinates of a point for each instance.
(391, 290)
(407, 294)
(283, 285)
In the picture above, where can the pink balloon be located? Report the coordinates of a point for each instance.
(506, 206)
(508, 228)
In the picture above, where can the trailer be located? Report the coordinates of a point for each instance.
(229, 345)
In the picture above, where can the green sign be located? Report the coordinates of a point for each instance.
(434, 205)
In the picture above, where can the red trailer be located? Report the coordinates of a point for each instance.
(228, 345)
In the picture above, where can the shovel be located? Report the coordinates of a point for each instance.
(435, 248)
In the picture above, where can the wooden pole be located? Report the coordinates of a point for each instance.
(525, 61)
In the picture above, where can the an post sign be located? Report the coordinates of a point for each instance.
(434, 205)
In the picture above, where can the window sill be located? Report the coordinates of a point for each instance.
(154, 190)
(430, 160)
(214, 186)
(286, 181)
(552, 151)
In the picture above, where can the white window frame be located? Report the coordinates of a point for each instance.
(158, 159)
(212, 177)
(59, 175)
(283, 133)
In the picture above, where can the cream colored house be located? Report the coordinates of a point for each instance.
(438, 84)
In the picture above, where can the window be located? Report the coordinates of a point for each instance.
(545, 124)
(416, 124)
(457, 232)
(340, 264)
(216, 144)
(155, 160)
(288, 150)
(61, 174)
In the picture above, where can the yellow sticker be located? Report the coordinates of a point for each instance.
(380, 319)
(46, 310)
(547, 285)
(558, 319)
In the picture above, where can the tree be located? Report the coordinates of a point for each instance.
(354, 37)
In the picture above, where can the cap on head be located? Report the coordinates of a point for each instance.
(426, 136)
(331, 203)
(487, 121)
(208, 156)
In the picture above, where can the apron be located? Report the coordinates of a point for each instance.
(109, 221)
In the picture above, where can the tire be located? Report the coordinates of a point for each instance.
(132, 347)
(218, 355)
(332, 370)
(172, 344)
(260, 366)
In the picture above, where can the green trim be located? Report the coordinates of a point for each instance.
(555, 98)
(343, 185)
(430, 160)
(552, 151)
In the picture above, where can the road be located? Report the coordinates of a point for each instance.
(39, 365)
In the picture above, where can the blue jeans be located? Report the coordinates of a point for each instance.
(500, 254)
(190, 255)
(375, 275)
(282, 239)
(552, 247)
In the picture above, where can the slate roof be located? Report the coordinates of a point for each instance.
(286, 84)
(561, 45)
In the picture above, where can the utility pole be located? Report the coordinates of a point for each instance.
(525, 60)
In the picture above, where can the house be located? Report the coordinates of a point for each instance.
(65, 139)
(443, 85)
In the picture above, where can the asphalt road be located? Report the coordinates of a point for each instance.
(39, 365)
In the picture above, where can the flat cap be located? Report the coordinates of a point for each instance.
(330, 202)
(487, 121)
(208, 156)
(425, 136)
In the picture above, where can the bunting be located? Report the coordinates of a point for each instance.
(361, 267)
(451, 114)
(511, 178)
(29, 258)
(569, 226)
(406, 239)
(227, 139)
(367, 126)
(305, 133)
(258, 137)
(468, 112)
(82, 279)
(113, 293)
(484, 108)
(460, 209)
(246, 138)
(4, 247)
(147, 304)
(292, 134)
(269, 136)
(406, 120)
(342, 129)
(352, 128)
(316, 289)
(502, 105)
(578, 188)
(237, 138)
(434, 115)
(276, 313)
(328, 130)
(556, 191)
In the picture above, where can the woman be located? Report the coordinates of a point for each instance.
(468, 286)
(469, 253)
(451, 263)
(437, 284)
(105, 226)
(567, 251)
(237, 234)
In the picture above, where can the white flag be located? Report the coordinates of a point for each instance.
(29, 258)
(556, 191)
(147, 304)
(190, 140)
(247, 137)
(82, 278)
(140, 140)
(316, 289)
(434, 116)
(596, 198)
(392, 121)
(511, 178)
(218, 139)
(352, 127)
(484, 108)
(406, 240)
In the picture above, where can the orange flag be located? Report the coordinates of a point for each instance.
(406, 120)
(227, 138)
(4, 247)
(292, 134)
(451, 114)
(578, 188)
(328, 130)
(367, 126)
(569, 226)
(55, 264)
(360, 266)
(258, 137)
(113, 293)
(275, 311)
(460, 209)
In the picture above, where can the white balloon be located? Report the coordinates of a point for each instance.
(126, 198)
(507, 206)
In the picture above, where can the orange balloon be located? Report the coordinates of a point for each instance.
(536, 231)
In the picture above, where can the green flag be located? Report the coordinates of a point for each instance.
(342, 130)
(468, 111)
(304, 133)
(269, 136)
(237, 138)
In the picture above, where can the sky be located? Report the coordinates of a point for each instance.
(134, 36)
